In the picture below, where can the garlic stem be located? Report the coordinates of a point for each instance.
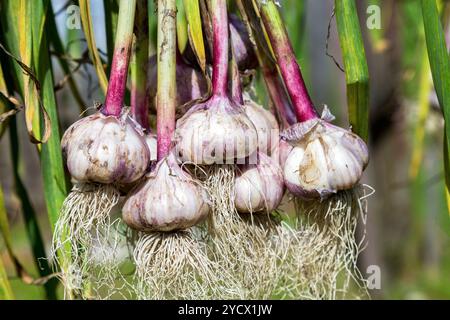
(274, 84)
(139, 61)
(289, 68)
(121, 58)
(166, 86)
(220, 47)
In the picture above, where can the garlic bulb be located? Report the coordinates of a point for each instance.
(191, 84)
(105, 149)
(259, 187)
(242, 45)
(324, 159)
(265, 123)
(168, 200)
(215, 132)
(284, 148)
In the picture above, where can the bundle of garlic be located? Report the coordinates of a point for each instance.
(170, 261)
(103, 152)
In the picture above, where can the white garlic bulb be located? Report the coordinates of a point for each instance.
(324, 159)
(259, 187)
(265, 123)
(105, 149)
(215, 132)
(169, 199)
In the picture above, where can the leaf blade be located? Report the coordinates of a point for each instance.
(439, 64)
(86, 21)
(355, 62)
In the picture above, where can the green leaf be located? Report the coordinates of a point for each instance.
(86, 21)
(4, 224)
(356, 70)
(30, 217)
(440, 66)
(192, 9)
(111, 8)
(3, 104)
(182, 27)
(6, 292)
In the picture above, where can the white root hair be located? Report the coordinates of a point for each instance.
(328, 229)
(84, 216)
(176, 266)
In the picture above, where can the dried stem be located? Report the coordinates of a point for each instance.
(166, 90)
(121, 58)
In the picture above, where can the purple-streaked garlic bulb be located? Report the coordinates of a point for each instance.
(242, 47)
(105, 149)
(324, 159)
(215, 132)
(169, 199)
(284, 148)
(259, 187)
(266, 125)
(191, 84)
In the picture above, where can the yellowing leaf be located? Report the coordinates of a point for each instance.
(195, 33)
(86, 21)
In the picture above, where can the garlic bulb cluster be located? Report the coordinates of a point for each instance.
(191, 84)
(215, 132)
(266, 126)
(105, 149)
(259, 187)
(324, 159)
(168, 200)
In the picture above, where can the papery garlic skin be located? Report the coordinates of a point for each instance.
(259, 187)
(324, 160)
(151, 141)
(266, 125)
(105, 149)
(168, 200)
(215, 132)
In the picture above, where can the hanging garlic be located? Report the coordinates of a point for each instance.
(215, 132)
(324, 160)
(168, 200)
(259, 187)
(105, 149)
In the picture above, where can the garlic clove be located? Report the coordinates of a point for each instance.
(259, 187)
(105, 149)
(217, 131)
(324, 160)
(169, 199)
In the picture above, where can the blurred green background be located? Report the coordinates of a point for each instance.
(408, 225)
